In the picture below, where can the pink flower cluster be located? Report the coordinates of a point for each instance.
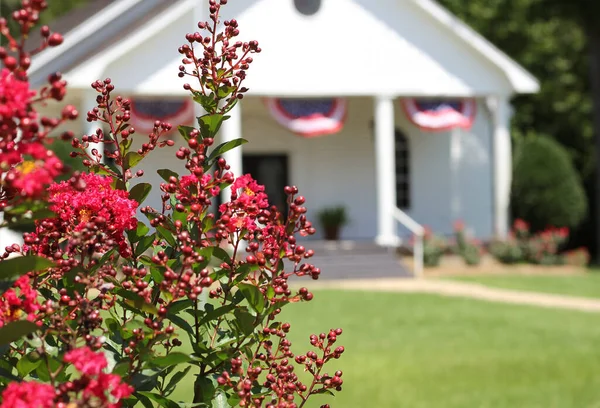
(248, 199)
(89, 207)
(14, 304)
(35, 167)
(93, 388)
(15, 95)
(93, 197)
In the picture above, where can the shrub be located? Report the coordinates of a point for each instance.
(577, 257)
(546, 189)
(470, 250)
(522, 246)
(433, 249)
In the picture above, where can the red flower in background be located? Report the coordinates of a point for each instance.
(28, 395)
(14, 304)
(86, 361)
(15, 95)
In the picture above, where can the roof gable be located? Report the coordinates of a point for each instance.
(350, 47)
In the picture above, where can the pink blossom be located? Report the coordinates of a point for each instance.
(15, 95)
(86, 361)
(28, 395)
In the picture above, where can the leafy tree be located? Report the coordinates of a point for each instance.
(559, 42)
(546, 191)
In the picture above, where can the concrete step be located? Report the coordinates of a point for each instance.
(356, 260)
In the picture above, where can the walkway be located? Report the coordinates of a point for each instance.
(469, 290)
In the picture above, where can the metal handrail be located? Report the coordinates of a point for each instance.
(419, 231)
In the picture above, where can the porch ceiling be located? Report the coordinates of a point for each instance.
(350, 47)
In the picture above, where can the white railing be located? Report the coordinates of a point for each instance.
(419, 232)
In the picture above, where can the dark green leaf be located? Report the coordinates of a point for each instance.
(164, 402)
(215, 314)
(138, 233)
(132, 159)
(220, 401)
(204, 388)
(244, 320)
(28, 363)
(136, 301)
(225, 147)
(178, 306)
(170, 359)
(185, 131)
(166, 235)
(210, 124)
(144, 244)
(140, 191)
(166, 174)
(7, 374)
(253, 296)
(13, 331)
(177, 377)
(181, 323)
(18, 266)
(146, 402)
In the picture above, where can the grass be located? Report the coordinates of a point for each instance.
(587, 285)
(408, 350)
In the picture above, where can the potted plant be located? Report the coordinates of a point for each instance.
(332, 220)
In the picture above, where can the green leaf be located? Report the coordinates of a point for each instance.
(140, 191)
(181, 323)
(215, 314)
(225, 91)
(208, 102)
(164, 402)
(220, 401)
(18, 266)
(225, 147)
(7, 374)
(166, 174)
(13, 331)
(170, 359)
(204, 388)
(132, 159)
(253, 296)
(136, 301)
(185, 131)
(166, 235)
(28, 363)
(139, 233)
(179, 305)
(210, 124)
(177, 377)
(244, 320)
(145, 243)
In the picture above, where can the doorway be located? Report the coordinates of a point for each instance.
(271, 171)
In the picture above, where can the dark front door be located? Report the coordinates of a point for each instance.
(272, 172)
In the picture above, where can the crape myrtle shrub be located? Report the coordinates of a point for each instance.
(97, 309)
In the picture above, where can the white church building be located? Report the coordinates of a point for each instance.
(394, 109)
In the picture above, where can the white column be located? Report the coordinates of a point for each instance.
(385, 159)
(231, 130)
(502, 166)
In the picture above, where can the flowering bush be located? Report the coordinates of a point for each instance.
(434, 248)
(541, 248)
(97, 309)
(469, 249)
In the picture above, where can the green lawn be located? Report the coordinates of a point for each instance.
(429, 351)
(587, 285)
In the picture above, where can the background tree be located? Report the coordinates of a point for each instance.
(554, 40)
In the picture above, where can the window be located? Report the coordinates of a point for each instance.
(402, 171)
(307, 7)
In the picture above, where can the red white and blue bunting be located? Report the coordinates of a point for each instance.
(440, 114)
(145, 111)
(309, 117)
